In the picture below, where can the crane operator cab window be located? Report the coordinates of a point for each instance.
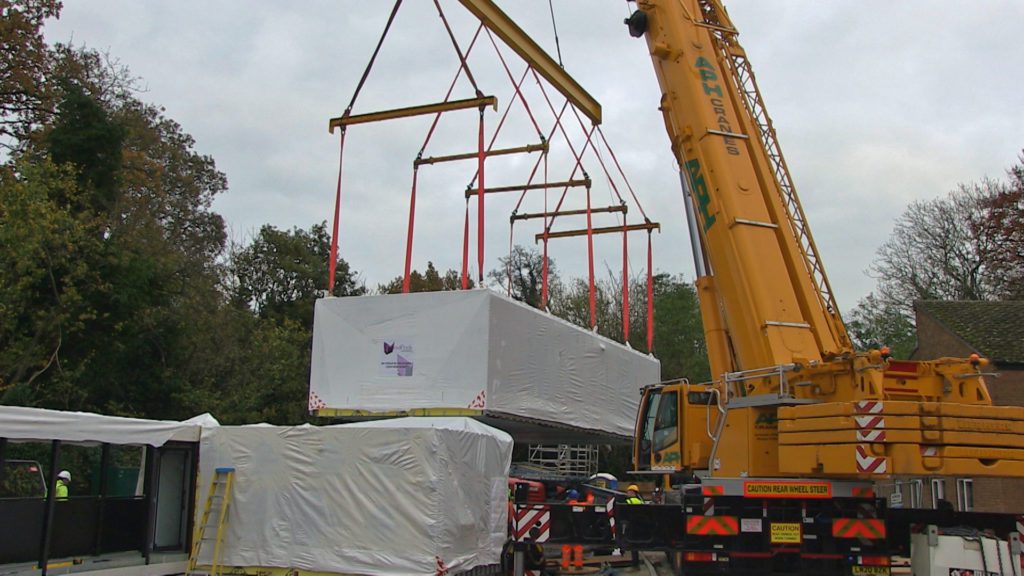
(666, 425)
(659, 427)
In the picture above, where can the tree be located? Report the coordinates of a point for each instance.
(45, 249)
(23, 65)
(1006, 212)
(275, 280)
(678, 330)
(428, 281)
(130, 204)
(522, 273)
(281, 273)
(85, 136)
(963, 246)
(873, 324)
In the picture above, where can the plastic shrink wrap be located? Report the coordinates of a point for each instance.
(396, 496)
(471, 350)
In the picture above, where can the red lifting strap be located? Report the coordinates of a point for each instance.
(625, 280)
(480, 200)
(650, 297)
(590, 260)
(333, 264)
(408, 238)
(465, 250)
(544, 268)
(508, 263)
(544, 276)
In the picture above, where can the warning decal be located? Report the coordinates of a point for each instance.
(786, 533)
(787, 489)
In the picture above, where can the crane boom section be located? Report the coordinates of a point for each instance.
(764, 263)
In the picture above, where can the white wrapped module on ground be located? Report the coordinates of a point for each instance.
(475, 350)
(387, 497)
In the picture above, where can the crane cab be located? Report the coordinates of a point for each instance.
(673, 427)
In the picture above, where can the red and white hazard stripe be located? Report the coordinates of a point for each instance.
(870, 428)
(871, 435)
(529, 517)
(480, 401)
(929, 451)
(870, 422)
(610, 509)
(868, 464)
(867, 407)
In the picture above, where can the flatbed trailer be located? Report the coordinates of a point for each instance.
(714, 529)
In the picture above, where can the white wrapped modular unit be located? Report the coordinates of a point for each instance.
(390, 497)
(476, 352)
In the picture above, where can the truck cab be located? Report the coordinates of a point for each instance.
(673, 427)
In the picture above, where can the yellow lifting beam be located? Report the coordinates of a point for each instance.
(523, 187)
(351, 119)
(603, 230)
(620, 208)
(510, 32)
(474, 155)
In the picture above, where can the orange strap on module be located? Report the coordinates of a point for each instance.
(465, 249)
(332, 265)
(408, 237)
(590, 262)
(480, 200)
(650, 297)
(625, 280)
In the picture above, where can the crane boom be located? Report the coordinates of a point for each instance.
(790, 396)
(777, 304)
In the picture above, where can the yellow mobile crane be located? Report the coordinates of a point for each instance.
(790, 396)
(770, 467)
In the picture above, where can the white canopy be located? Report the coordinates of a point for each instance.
(38, 425)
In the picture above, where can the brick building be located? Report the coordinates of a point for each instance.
(995, 330)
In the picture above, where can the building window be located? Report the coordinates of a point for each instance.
(938, 491)
(964, 494)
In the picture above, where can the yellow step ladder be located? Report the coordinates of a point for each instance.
(217, 500)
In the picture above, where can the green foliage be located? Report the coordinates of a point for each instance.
(967, 245)
(23, 65)
(1005, 211)
(872, 325)
(281, 273)
(522, 274)
(46, 249)
(429, 281)
(85, 137)
(678, 330)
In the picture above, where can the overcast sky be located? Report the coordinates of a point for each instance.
(876, 103)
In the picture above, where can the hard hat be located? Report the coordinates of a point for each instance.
(633, 487)
(64, 475)
(572, 494)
